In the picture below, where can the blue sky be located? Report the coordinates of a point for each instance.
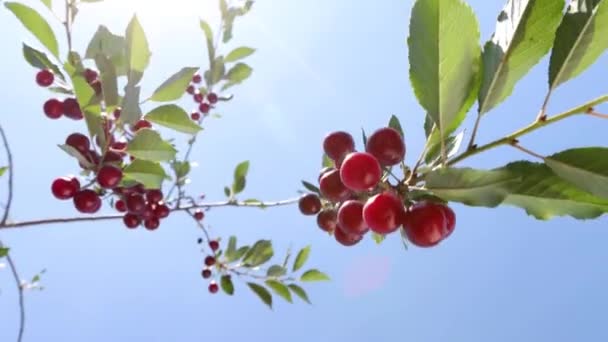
(320, 66)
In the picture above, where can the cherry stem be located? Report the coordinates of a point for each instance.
(598, 115)
(516, 145)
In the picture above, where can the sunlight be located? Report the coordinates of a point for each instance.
(168, 11)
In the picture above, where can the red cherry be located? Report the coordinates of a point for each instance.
(65, 187)
(425, 224)
(96, 85)
(198, 97)
(213, 288)
(195, 116)
(350, 218)
(386, 144)
(109, 176)
(206, 273)
(148, 212)
(338, 144)
(212, 98)
(360, 171)
(90, 75)
(112, 157)
(209, 261)
(162, 211)
(309, 204)
(190, 90)
(71, 109)
(154, 195)
(196, 78)
(214, 245)
(131, 221)
(141, 124)
(80, 142)
(327, 220)
(332, 188)
(45, 78)
(152, 223)
(87, 201)
(450, 218)
(119, 146)
(346, 239)
(383, 213)
(204, 108)
(135, 203)
(53, 108)
(199, 215)
(323, 172)
(117, 113)
(121, 206)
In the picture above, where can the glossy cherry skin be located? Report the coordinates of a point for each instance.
(131, 221)
(65, 187)
(450, 218)
(346, 239)
(386, 144)
(152, 223)
(309, 204)
(109, 176)
(338, 144)
(162, 211)
(53, 109)
(136, 203)
(383, 213)
(332, 188)
(360, 171)
(350, 218)
(199, 215)
(45, 78)
(425, 224)
(212, 98)
(71, 109)
(87, 201)
(327, 220)
(80, 142)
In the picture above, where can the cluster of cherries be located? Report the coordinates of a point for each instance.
(205, 103)
(210, 262)
(355, 199)
(55, 108)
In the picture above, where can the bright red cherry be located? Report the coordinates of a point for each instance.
(65, 187)
(214, 245)
(213, 288)
(87, 201)
(197, 78)
(45, 78)
(79, 141)
(212, 98)
(350, 218)
(195, 116)
(204, 108)
(360, 171)
(209, 261)
(347, 239)
(309, 204)
(190, 90)
(132, 221)
(206, 273)
(109, 176)
(425, 224)
(71, 109)
(141, 124)
(338, 144)
(53, 109)
(198, 97)
(152, 223)
(383, 213)
(332, 188)
(386, 144)
(199, 215)
(121, 206)
(450, 218)
(90, 75)
(135, 203)
(162, 211)
(327, 220)
(323, 172)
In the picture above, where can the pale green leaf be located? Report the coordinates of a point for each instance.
(149, 173)
(238, 54)
(109, 82)
(76, 154)
(149, 145)
(396, 125)
(280, 289)
(276, 271)
(298, 291)
(131, 112)
(262, 293)
(110, 45)
(3, 170)
(174, 117)
(259, 253)
(39, 59)
(301, 258)
(138, 52)
(175, 86)
(230, 253)
(586, 168)
(314, 275)
(209, 39)
(36, 24)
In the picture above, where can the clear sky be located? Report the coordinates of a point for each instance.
(321, 65)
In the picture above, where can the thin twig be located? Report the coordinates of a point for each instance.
(516, 145)
(474, 134)
(68, 23)
(598, 115)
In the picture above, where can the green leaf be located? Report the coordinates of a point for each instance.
(240, 177)
(543, 194)
(579, 41)
(238, 54)
(209, 39)
(181, 168)
(84, 93)
(174, 117)
(487, 188)
(109, 82)
(227, 192)
(227, 285)
(395, 124)
(76, 154)
(280, 289)
(3, 170)
(217, 72)
(36, 24)
(230, 253)
(48, 4)
(4, 251)
(452, 145)
(94, 123)
(262, 293)
(241, 252)
(138, 52)
(237, 74)
(301, 258)
(326, 161)
(311, 187)
(587, 168)
(149, 173)
(378, 238)
(445, 60)
(314, 275)
(131, 112)
(524, 33)
(363, 137)
(110, 45)
(276, 271)
(148, 145)
(175, 86)
(298, 291)
(39, 59)
(259, 253)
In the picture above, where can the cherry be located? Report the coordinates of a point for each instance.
(53, 108)
(112, 157)
(45, 78)
(213, 288)
(210, 260)
(135, 203)
(195, 116)
(90, 75)
(190, 90)
(425, 224)
(119, 146)
(198, 97)
(117, 113)
(323, 172)
(360, 171)
(79, 141)
(162, 211)
(309, 204)
(347, 239)
(350, 218)
(332, 188)
(93, 157)
(197, 78)
(65, 187)
(87, 201)
(206, 273)
(450, 218)
(154, 195)
(199, 215)
(71, 109)
(214, 245)
(141, 124)
(212, 98)
(152, 223)
(338, 144)
(386, 144)
(109, 176)
(327, 220)
(384, 212)
(96, 85)
(148, 212)
(131, 220)
(121, 206)
(204, 108)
